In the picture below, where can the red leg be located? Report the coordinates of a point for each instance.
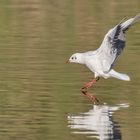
(88, 85)
(90, 96)
(85, 88)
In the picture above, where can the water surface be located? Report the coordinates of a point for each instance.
(37, 88)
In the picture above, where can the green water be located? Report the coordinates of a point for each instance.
(37, 88)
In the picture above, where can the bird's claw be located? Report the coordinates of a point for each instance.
(94, 99)
(90, 96)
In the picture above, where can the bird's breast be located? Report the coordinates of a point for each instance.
(93, 64)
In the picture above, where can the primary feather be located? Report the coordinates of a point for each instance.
(114, 43)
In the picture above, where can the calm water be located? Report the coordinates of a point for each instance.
(39, 93)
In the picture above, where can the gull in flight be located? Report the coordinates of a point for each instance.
(101, 61)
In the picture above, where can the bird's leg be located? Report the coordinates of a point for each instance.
(90, 96)
(88, 85)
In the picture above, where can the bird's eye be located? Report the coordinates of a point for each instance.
(72, 58)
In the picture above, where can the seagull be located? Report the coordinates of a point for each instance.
(102, 60)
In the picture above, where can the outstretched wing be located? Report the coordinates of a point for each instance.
(113, 44)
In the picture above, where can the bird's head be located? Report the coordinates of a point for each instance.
(76, 58)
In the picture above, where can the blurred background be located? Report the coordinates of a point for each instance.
(37, 88)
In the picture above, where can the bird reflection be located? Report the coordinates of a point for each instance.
(97, 122)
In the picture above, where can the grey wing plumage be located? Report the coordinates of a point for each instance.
(114, 43)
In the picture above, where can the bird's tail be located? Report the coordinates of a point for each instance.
(125, 25)
(120, 76)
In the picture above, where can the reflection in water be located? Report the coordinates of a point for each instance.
(97, 122)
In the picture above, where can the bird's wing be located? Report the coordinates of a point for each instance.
(114, 43)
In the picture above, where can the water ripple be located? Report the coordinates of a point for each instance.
(97, 122)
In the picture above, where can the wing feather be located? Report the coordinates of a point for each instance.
(113, 44)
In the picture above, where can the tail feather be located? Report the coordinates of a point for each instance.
(125, 25)
(120, 76)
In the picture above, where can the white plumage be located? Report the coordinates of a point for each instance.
(101, 61)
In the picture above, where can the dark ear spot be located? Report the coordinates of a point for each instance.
(75, 57)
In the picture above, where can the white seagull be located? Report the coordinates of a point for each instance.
(101, 61)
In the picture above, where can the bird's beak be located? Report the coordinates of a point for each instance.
(67, 61)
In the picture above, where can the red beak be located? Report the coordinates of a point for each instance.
(67, 61)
